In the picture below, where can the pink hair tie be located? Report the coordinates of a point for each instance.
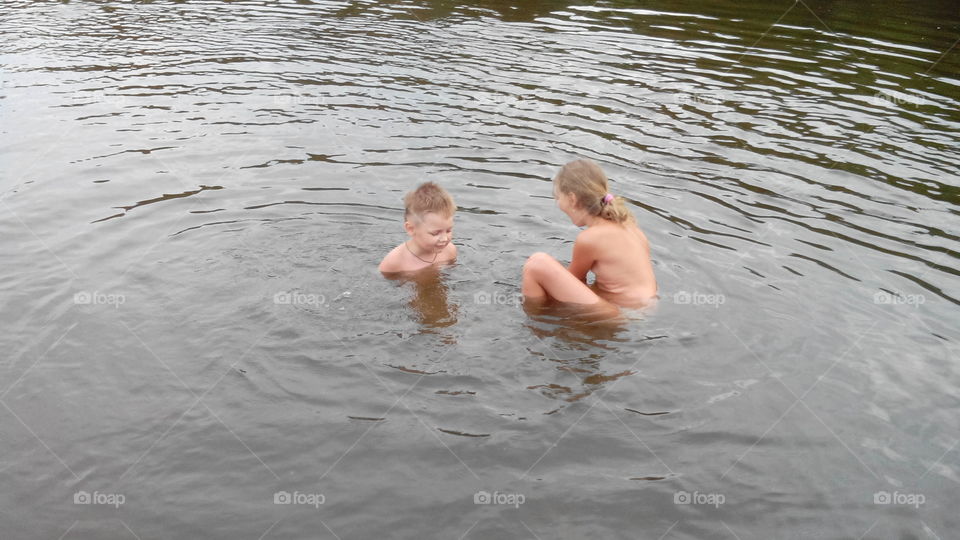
(607, 199)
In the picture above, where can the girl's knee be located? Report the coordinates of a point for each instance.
(539, 257)
(537, 261)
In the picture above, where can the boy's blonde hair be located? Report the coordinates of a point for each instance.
(428, 197)
(585, 179)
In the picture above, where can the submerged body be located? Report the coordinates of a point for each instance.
(428, 221)
(406, 258)
(617, 254)
(611, 246)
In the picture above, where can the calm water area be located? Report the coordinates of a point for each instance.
(194, 197)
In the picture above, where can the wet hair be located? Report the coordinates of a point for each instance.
(587, 181)
(428, 197)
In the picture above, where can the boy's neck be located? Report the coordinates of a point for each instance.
(415, 249)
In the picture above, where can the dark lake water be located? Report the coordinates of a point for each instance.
(194, 197)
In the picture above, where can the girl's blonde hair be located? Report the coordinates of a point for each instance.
(587, 181)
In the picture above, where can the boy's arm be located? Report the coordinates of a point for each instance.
(584, 256)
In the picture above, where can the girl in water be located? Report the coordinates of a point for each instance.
(611, 246)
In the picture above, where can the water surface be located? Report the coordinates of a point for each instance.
(195, 195)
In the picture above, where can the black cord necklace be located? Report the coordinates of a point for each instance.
(417, 256)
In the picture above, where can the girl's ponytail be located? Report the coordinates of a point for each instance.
(614, 209)
(585, 179)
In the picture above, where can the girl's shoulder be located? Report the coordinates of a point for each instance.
(599, 235)
(602, 230)
(617, 235)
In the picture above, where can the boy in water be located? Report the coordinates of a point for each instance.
(428, 220)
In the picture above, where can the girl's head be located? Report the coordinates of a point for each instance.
(581, 189)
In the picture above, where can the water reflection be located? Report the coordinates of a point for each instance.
(579, 340)
(164, 197)
(505, 10)
(430, 303)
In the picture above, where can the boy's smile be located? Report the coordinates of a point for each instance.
(430, 234)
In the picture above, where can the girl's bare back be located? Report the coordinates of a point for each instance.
(624, 273)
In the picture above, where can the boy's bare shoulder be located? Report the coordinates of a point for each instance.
(393, 262)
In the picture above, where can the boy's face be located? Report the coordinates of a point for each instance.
(432, 232)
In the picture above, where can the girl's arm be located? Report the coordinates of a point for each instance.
(584, 256)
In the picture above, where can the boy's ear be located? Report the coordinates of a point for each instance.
(407, 226)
